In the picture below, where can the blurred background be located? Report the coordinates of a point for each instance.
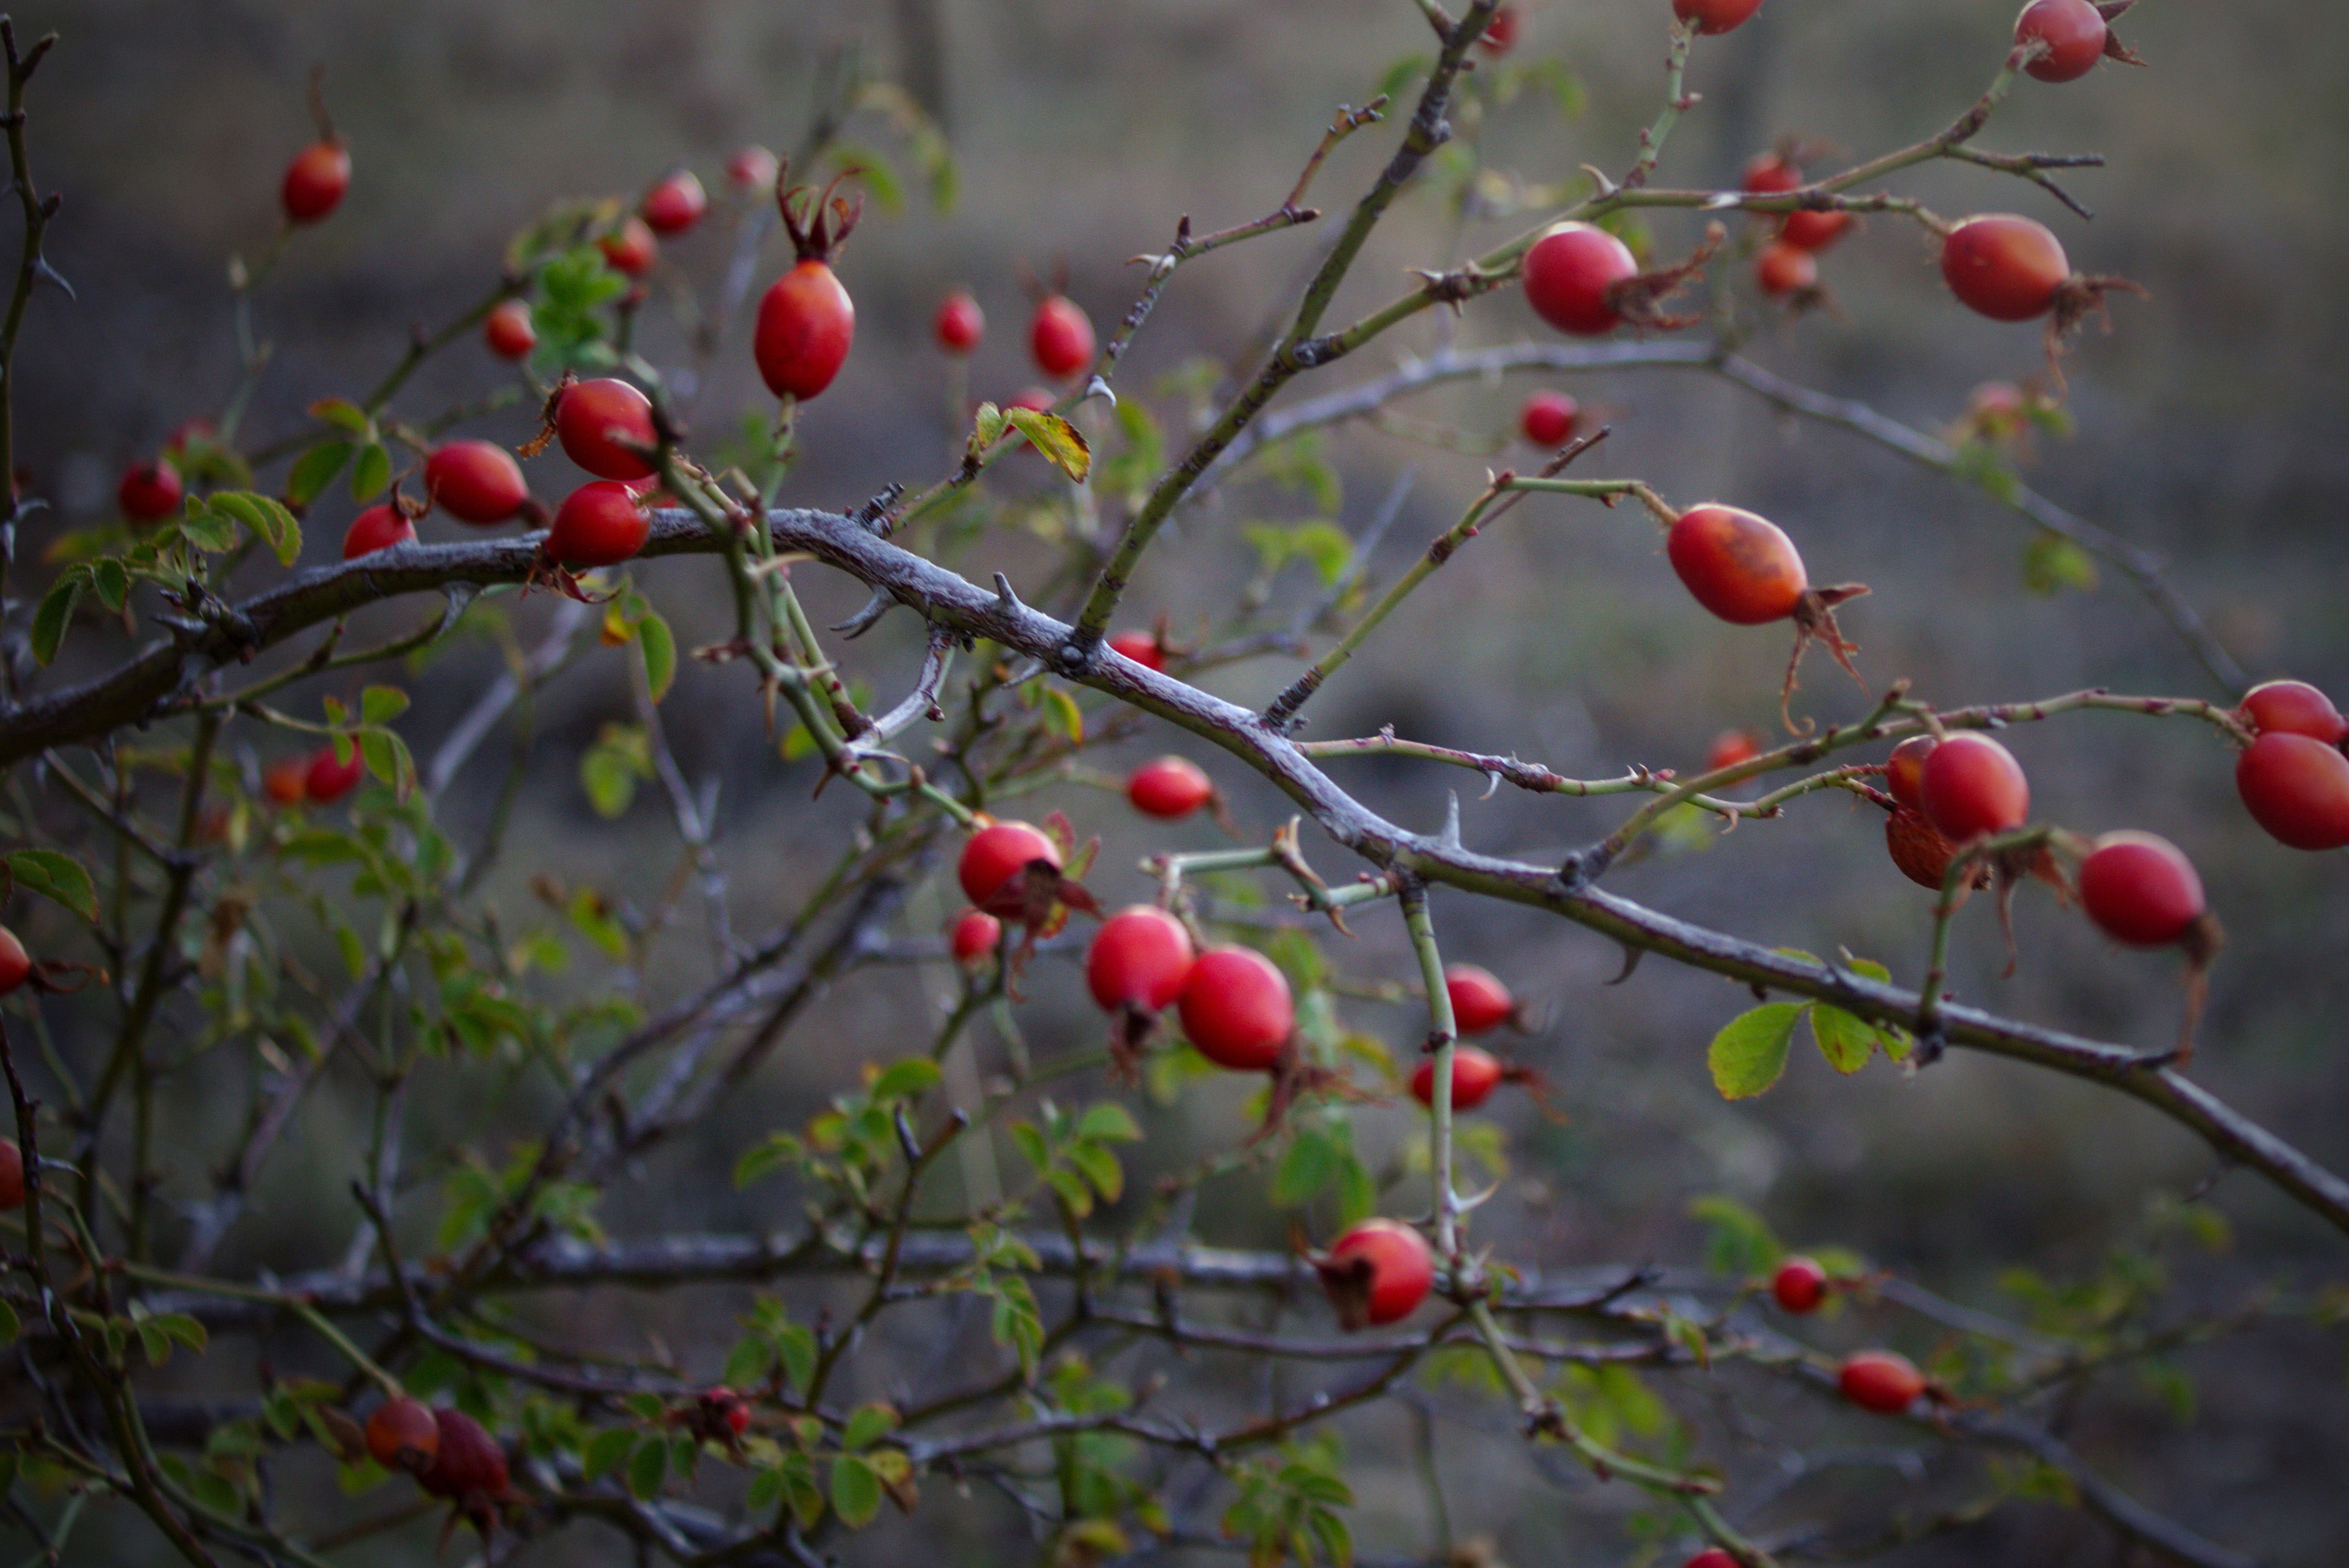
(2209, 429)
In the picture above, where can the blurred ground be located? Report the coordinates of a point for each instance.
(2210, 428)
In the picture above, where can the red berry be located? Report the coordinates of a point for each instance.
(469, 1466)
(2297, 788)
(1570, 273)
(1480, 1002)
(475, 482)
(508, 331)
(1740, 566)
(1142, 647)
(1237, 1010)
(149, 491)
(994, 865)
(1140, 958)
(1904, 771)
(315, 181)
(16, 964)
(288, 782)
(376, 528)
(1377, 1272)
(806, 322)
(1501, 32)
(1715, 15)
(1712, 1557)
(630, 248)
(1918, 848)
(12, 1174)
(1170, 787)
(674, 205)
(327, 779)
(1800, 1285)
(403, 1435)
(1814, 230)
(2140, 889)
(1061, 337)
(1548, 418)
(1783, 269)
(2007, 268)
(2074, 31)
(974, 936)
(1972, 787)
(1883, 1381)
(1772, 174)
(601, 524)
(1474, 1076)
(1732, 747)
(958, 322)
(754, 168)
(2295, 708)
(592, 418)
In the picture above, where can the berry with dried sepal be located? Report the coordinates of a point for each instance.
(806, 320)
(1378, 1273)
(605, 427)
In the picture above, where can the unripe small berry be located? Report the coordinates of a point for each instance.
(1548, 418)
(975, 934)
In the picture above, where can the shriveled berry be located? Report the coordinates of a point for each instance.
(475, 482)
(149, 491)
(1548, 417)
(1799, 1285)
(1474, 1076)
(2296, 787)
(328, 778)
(12, 1174)
(995, 865)
(1061, 337)
(1715, 15)
(379, 527)
(1142, 647)
(631, 248)
(402, 1434)
(593, 419)
(2295, 708)
(2006, 267)
(1917, 847)
(2140, 889)
(508, 329)
(1139, 959)
(974, 936)
(1904, 771)
(1236, 1009)
(806, 324)
(1883, 1381)
(1378, 1273)
(1570, 274)
(1740, 566)
(1784, 269)
(2074, 32)
(1480, 1002)
(959, 323)
(675, 205)
(15, 963)
(1170, 787)
(315, 181)
(601, 524)
(1972, 787)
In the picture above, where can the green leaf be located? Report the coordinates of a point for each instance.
(315, 470)
(795, 1343)
(1108, 1122)
(208, 529)
(1061, 712)
(749, 1363)
(855, 1492)
(1057, 439)
(648, 1467)
(186, 1330)
(1750, 1052)
(381, 704)
(605, 1450)
(1846, 1042)
(1309, 1164)
(986, 428)
(2052, 562)
(903, 1080)
(658, 644)
(763, 1159)
(56, 614)
(388, 758)
(1099, 1167)
(112, 584)
(344, 415)
(266, 518)
(610, 769)
(56, 876)
(371, 474)
(867, 1424)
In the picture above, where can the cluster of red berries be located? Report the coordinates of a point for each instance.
(1787, 267)
(448, 1452)
(1060, 339)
